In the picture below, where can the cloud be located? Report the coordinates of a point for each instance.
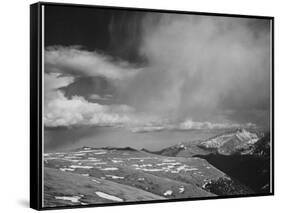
(99, 97)
(62, 66)
(206, 68)
(60, 111)
(52, 83)
(76, 61)
(189, 124)
(77, 111)
(213, 70)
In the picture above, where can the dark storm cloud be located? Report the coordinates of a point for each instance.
(115, 32)
(97, 88)
(126, 33)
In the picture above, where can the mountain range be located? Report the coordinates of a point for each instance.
(234, 163)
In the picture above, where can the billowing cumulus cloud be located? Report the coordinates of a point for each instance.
(61, 111)
(77, 111)
(76, 61)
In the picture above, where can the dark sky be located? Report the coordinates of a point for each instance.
(115, 32)
(145, 72)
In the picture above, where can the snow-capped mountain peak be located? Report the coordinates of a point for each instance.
(235, 138)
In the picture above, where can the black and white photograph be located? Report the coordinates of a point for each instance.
(152, 106)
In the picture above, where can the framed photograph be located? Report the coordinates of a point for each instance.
(134, 106)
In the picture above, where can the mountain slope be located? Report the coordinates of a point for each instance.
(62, 188)
(182, 150)
(251, 165)
(262, 147)
(157, 175)
(231, 142)
(241, 154)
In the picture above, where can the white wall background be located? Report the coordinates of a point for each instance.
(14, 105)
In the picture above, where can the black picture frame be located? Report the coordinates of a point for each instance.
(36, 129)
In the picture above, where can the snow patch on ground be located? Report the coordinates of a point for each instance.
(169, 163)
(95, 181)
(117, 161)
(181, 189)
(73, 199)
(109, 169)
(67, 169)
(186, 168)
(79, 154)
(86, 148)
(80, 167)
(85, 151)
(99, 163)
(150, 170)
(108, 197)
(114, 177)
(168, 193)
(99, 153)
